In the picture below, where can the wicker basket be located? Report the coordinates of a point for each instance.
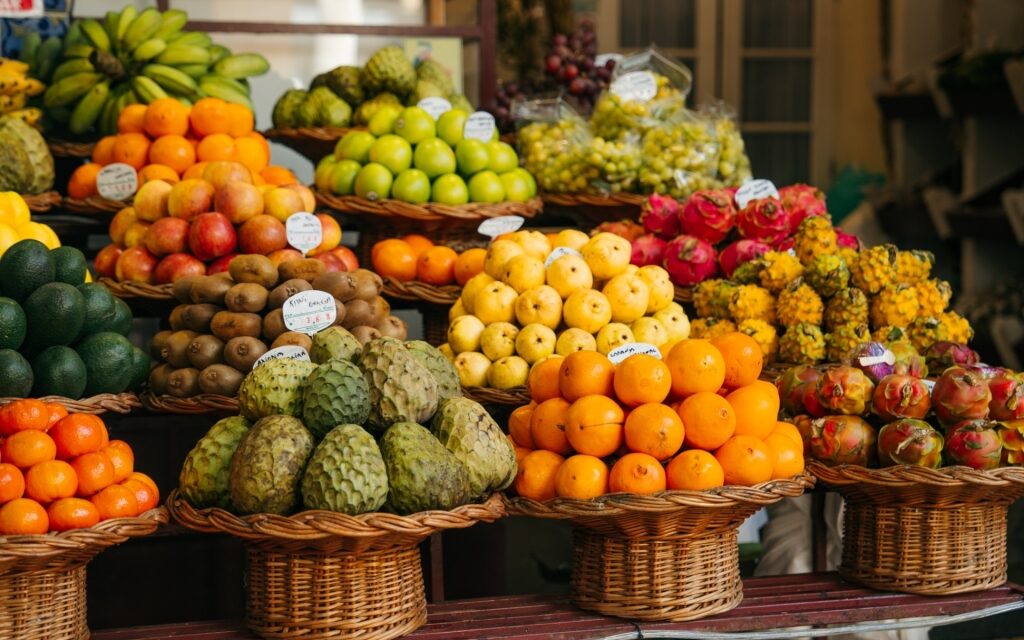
(445, 295)
(69, 149)
(42, 578)
(102, 403)
(94, 205)
(400, 215)
(202, 403)
(312, 142)
(595, 208)
(516, 396)
(683, 294)
(42, 202)
(319, 574)
(138, 289)
(668, 556)
(925, 531)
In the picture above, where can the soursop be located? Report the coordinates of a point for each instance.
(204, 476)
(344, 81)
(423, 89)
(285, 108)
(334, 342)
(401, 389)
(441, 368)
(23, 143)
(468, 431)
(422, 474)
(335, 393)
(367, 109)
(459, 101)
(346, 473)
(434, 72)
(268, 466)
(389, 69)
(273, 388)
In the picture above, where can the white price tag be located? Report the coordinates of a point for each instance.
(888, 358)
(559, 252)
(619, 354)
(434, 106)
(603, 58)
(289, 351)
(791, 251)
(502, 224)
(479, 125)
(681, 177)
(304, 231)
(117, 181)
(635, 86)
(930, 384)
(309, 312)
(754, 190)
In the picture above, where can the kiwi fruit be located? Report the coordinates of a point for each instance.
(368, 284)
(273, 324)
(293, 338)
(340, 284)
(246, 297)
(175, 320)
(158, 378)
(285, 290)
(306, 269)
(197, 317)
(182, 289)
(228, 324)
(364, 333)
(183, 383)
(210, 289)
(242, 352)
(392, 326)
(253, 269)
(357, 313)
(205, 350)
(220, 379)
(339, 313)
(158, 343)
(175, 352)
(379, 309)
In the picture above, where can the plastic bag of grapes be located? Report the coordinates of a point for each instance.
(681, 155)
(553, 143)
(733, 163)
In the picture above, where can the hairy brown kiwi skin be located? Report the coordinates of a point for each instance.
(273, 324)
(175, 320)
(183, 383)
(182, 289)
(285, 290)
(357, 313)
(158, 378)
(393, 326)
(211, 289)
(364, 333)
(175, 352)
(254, 269)
(242, 352)
(307, 269)
(220, 379)
(228, 324)
(339, 313)
(368, 284)
(293, 338)
(246, 297)
(158, 343)
(340, 284)
(205, 350)
(379, 309)
(197, 317)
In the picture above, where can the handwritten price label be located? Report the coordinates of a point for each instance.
(480, 126)
(117, 181)
(619, 354)
(635, 86)
(309, 312)
(559, 252)
(754, 190)
(502, 224)
(291, 352)
(304, 231)
(434, 106)
(888, 358)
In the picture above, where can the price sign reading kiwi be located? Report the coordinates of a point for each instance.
(117, 181)
(290, 351)
(304, 231)
(754, 190)
(559, 252)
(619, 354)
(434, 106)
(309, 312)
(494, 227)
(480, 126)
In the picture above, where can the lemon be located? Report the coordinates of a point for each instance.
(13, 210)
(41, 232)
(8, 236)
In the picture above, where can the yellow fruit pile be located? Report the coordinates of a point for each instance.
(16, 224)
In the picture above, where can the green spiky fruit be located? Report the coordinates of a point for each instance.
(204, 478)
(389, 69)
(894, 305)
(780, 269)
(401, 389)
(468, 431)
(335, 393)
(799, 304)
(274, 388)
(751, 302)
(423, 89)
(268, 465)
(843, 339)
(441, 368)
(334, 342)
(369, 108)
(814, 237)
(933, 296)
(748, 273)
(802, 344)
(344, 82)
(827, 274)
(434, 72)
(711, 298)
(874, 269)
(422, 474)
(346, 473)
(913, 266)
(849, 306)
(708, 328)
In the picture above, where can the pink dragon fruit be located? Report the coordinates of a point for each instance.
(741, 252)
(960, 395)
(786, 244)
(975, 443)
(839, 440)
(912, 442)
(763, 219)
(648, 249)
(846, 240)
(908, 361)
(660, 216)
(802, 201)
(868, 352)
(690, 261)
(1012, 435)
(627, 229)
(709, 215)
(985, 371)
(945, 354)
(1007, 401)
(845, 390)
(899, 396)
(803, 425)
(792, 386)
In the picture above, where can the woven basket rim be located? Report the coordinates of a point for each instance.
(593, 199)
(94, 538)
(415, 290)
(310, 133)
(430, 211)
(202, 403)
(907, 475)
(70, 148)
(93, 205)
(41, 202)
(138, 289)
(100, 403)
(487, 395)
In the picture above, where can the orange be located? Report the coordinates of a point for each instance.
(786, 455)
(519, 426)
(131, 149)
(158, 172)
(640, 379)
(195, 172)
(709, 420)
(543, 381)
(209, 115)
(116, 501)
(636, 473)
(547, 426)
(173, 151)
(696, 366)
(121, 459)
(252, 153)
(95, 472)
(745, 461)
(72, 513)
(582, 477)
(593, 425)
(146, 497)
(24, 414)
(137, 475)
(57, 411)
(586, 373)
(535, 478)
(395, 258)
(23, 517)
(694, 470)
(103, 150)
(219, 146)
(258, 137)
(82, 183)
(27, 448)
(77, 434)
(132, 119)
(469, 263)
(655, 429)
(278, 176)
(790, 431)
(666, 348)
(165, 116)
(418, 243)
(12, 483)
(757, 408)
(743, 358)
(240, 119)
(436, 265)
(50, 480)
(521, 452)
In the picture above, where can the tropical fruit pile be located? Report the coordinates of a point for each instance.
(696, 419)
(61, 335)
(26, 165)
(17, 86)
(61, 471)
(352, 95)
(16, 224)
(538, 296)
(360, 429)
(416, 257)
(227, 321)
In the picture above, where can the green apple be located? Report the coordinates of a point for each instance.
(502, 157)
(434, 157)
(472, 156)
(355, 145)
(373, 182)
(486, 187)
(383, 122)
(392, 152)
(450, 189)
(528, 177)
(322, 173)
(343, 177)
(412, 185)
(415, 125)
(450, 125)
(517, 189)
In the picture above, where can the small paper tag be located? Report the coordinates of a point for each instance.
(309, 312)
(502, 224)
(791, 251)
(480, 126)
(559, 252)
(304, 231)
(619, 354)
(681, 177)
(635, 86)
(929, 383)
(117, 181)
(603, 58)
(888, 358)
(290, 351)
(753, 190)
(434, 106)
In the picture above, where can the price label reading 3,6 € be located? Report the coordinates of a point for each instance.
(309, 312)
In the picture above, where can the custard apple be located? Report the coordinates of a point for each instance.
(441, 368)
(389, 69)
(401, 389)
(468, 431)
(459, 101)
(273, 388)
(346, 473)
(422, 474)
(434, 72)
(334, 342)
(203, 480)
(286, 107)
(367, 109)
(344, 81)
(335, 393)
(268, 466)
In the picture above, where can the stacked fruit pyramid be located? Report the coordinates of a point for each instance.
(16, 224)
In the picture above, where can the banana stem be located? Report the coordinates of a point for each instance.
(107, 64)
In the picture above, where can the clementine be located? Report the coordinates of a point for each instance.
(24, 414)
(790, 431)
(146, 497)
(172, 151)
(535, 478)
(132, 119)
(77, 434)
(394, 258)
(165, 116)
(743, 358)
(709, 420)
(50, 480)
(116, 501)
(95, 472)
(745, 461)
(640, 379)
(72, 513)
(418, 242)
(469, 263)
(593, 425)
(586, 373)
(103, 150)
(694, 470)
(12, 483)
(436, 265)
(131, 149)
(23, 517)
(582, 477)
(696, 366)
(636, 473)
(543, 381)
(82, 183)
(240, 119)
(158, 172)
(548, 425)
(57, 411)
(655, 429)
(27, 448)
(519, 426)
(786, 455)
(209, 116)
(757, 408)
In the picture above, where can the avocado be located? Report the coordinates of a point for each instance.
(24, 267)
(55, 313)
(69, 265)
(122, 322)
(12, 324)
(140, 368)
(58, 371)
(108, 362)
(15, 375)
(100, 308)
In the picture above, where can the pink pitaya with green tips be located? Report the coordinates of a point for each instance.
(845, 389)
(648, 249)
(960, 395)
(741, 252)
(690, 261)
(909, 441)
(709, 215)
(846, 240)
(660, 216)
(1007, 401)
(839, 440)
(975, 443)
(792, 386)
(945, 354)
(899, 396)
(763, 219)
(802, 201)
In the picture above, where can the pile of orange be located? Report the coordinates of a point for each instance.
(167, 140)
(695, 419)
(60, 472)
(415, 257)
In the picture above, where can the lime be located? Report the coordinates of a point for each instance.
(383, 122)
(529, 179)
(434, 157)
(412, 185)
(342, 177)
(502, 157)
(373, 182)
(392, 152)
(486, 187)
(450, 125)
(450, 189)
(322, 174)
(355, 145)
(414, 124)
(517, 189)
(472, 156)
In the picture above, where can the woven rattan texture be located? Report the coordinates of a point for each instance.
(202, 403)
(421, 291)
(102, 403)
(46, 605)
(312, 142)
(93, 205)
(42, 202)
(138, 289)
(439, 214)
(516, 396)
(67, 149)
(594, 200)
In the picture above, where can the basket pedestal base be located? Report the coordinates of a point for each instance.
(332, 594)
(44, 605)
(671, 578)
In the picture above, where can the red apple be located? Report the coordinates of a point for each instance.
(220, 265)
(135, 265)
(347, 256)
(167, 236)
(262, 234)
(178, 265)
(284, 255)
(331, 261)
(211, 236)
(106, 260)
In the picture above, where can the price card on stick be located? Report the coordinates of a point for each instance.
(480, 126)
(309, 312)
(434, 106)
(753, 190)
(304, 231)
(289, 351)
(117, 181)
(559, 252)
(635, 86)
(494, 227)
(888, 358)
(619, 354)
